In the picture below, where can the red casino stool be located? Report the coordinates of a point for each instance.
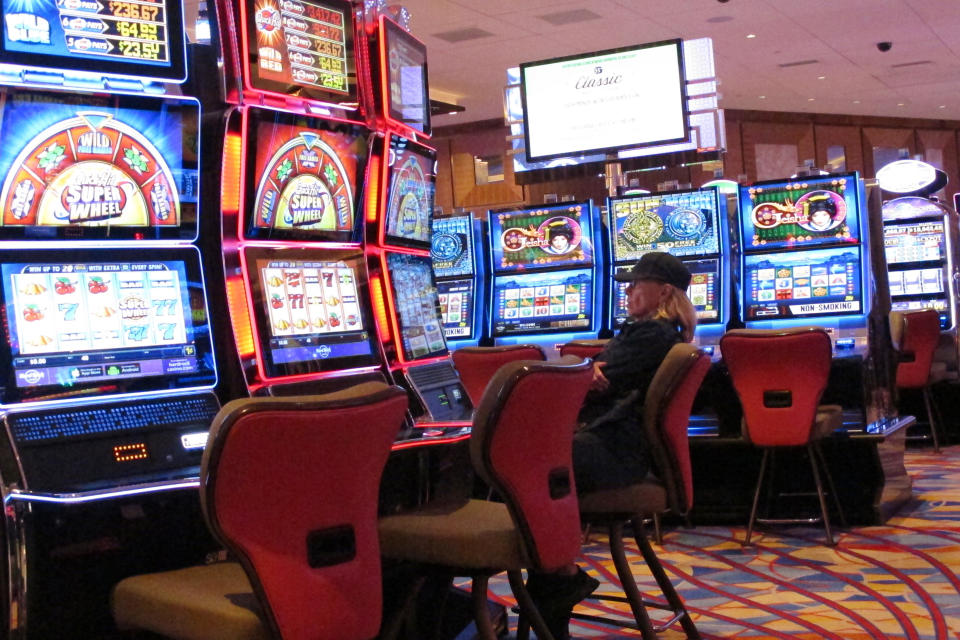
(521, 445)
(289, 486)
(779, 376)
(477, 365)
(915, 335)
(583, 348)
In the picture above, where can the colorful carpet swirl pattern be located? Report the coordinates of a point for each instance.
(896, 581)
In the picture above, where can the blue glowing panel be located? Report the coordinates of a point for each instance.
(543, 302)
(452, 246)
(681, 223)
(802, 212)
(549, 236)
(821, 282)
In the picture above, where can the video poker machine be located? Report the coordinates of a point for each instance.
(690, 224)
(106, 351)
(460, 278)
(545, 270)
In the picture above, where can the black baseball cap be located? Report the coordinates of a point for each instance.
(660, 266)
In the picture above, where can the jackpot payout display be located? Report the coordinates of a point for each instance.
(806, 256)
(544, 273)
(142, 39)
(302, 48)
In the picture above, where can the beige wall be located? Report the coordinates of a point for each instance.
(760, 145)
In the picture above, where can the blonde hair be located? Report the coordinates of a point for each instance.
(678, 309)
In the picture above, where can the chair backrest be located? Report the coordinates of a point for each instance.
(666, 418)
(477, 365)
(779, 376)
(522, 444)
(916, 335)
(583, 348)
(289, 486)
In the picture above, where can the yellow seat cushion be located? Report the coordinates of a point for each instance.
(479, 535)
(210, 602)
(646, 497)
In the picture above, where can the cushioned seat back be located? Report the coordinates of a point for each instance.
(666, 418)
(917, 334)
(521, 446)
(583, 348)
(779, 376)
(290, 487)
(476, 365)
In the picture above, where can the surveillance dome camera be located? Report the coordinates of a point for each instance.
(884, 46)
(723, 1)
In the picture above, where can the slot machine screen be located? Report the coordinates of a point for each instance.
(412, 181)
(135, 39)
(542, 302)
(311, 309)
(704, 292)
(82, 167)
(813, 283)
(302, 48)
(456, 307)
(406, 93)
(452, 246)
(304, 177)
(682, 223)
(417, 305)
(549, 236)
(913, 242)
(103, 322)
(801, 212)
(915, 282)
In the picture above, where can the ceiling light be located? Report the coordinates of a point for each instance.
(856, 102)
(810, 99)
(762, 97)
(821, 77)
(899, 104)
(751, 35)
(943, 106)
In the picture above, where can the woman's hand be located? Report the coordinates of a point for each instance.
(600, 382)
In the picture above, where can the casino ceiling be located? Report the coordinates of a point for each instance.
(817, 56)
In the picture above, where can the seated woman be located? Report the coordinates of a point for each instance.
(610, 451)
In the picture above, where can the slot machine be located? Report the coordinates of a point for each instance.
(459, 276)
(399, 233)
(921, 236)
(544, 275)
(107, 356)
(690, 224)
(295, 156)
(809, 258)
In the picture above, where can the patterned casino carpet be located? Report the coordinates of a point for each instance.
(896, 581)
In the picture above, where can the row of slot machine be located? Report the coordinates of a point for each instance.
(184, 224)
(781, 253)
